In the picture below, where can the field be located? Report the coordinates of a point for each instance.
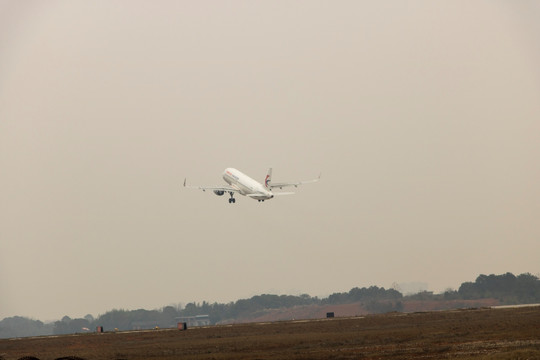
(465, 334)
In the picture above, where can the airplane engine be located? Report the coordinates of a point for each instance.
(219, 192)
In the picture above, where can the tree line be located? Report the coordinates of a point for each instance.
(507, 288)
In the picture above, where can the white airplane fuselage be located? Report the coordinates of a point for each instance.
(240, 183)
(246, 185)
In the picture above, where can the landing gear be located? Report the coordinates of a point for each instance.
(262, 200)
(232, 200)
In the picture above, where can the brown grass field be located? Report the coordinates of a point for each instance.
(510, 333)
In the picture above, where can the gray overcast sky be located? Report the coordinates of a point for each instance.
(423, 116)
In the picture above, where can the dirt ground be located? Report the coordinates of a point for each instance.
(460, 334)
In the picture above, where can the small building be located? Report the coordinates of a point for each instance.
(194, 321)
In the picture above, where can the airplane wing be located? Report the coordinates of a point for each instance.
(275, 194)
(274, 185)
(213, 188)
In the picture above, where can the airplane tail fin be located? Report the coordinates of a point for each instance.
(268, 179)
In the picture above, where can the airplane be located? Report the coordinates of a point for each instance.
(244, 185)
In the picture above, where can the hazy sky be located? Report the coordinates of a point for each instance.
(423, 116)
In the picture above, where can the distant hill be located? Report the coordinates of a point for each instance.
(487, 290)
(358, 309)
